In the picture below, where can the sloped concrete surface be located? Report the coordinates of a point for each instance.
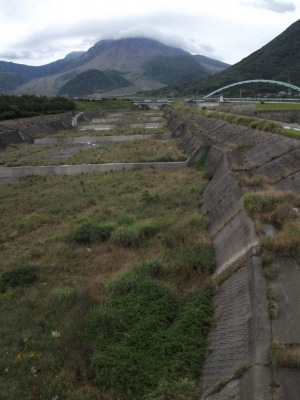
(286, 326)
(288, 382)
(292, 183)
(240, 339)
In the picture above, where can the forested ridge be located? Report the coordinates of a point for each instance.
(30, 105)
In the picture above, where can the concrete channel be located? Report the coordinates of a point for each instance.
(238, 365)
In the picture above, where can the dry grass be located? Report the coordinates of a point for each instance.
(287, 356)
(38, 215)
(138, 151)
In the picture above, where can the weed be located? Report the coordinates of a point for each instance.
(255, 203)
(135, 235)
(283, 213)
(285, 356)
(22, 275)
(208, 175)
(267, 258)
(126, 219)
(202, 160)
(272, 309)
(287, 242)
(182, 389)
(199, 257)
(149, 198)
(270, 271)
(143, 318)
(242, 146)
(91, 232)
(272, 292)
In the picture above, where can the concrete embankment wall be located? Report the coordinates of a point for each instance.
(16, 172)
(237, 364)
(99, 139)
(27, 129)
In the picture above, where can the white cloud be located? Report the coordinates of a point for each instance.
(277, 6)
(36, 32)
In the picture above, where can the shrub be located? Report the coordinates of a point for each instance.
(199, 257)
(126, 219)
(134, 235)
(283, 212)
(198, 221)
(127, 236)
(287, 242)
(91, 232)
(256, 203)
(18, 276)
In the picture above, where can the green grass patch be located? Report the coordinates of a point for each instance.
(276, 106)
(257, 203)
(145, 336)
(251, 122)
(136, 234)
(202, 160)
(104, 104)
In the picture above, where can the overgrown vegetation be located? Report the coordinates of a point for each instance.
(102, 319)
(281, 210)
(146, 150)
(251, 122)
(284, 356)
(144, 337)
(103, 104)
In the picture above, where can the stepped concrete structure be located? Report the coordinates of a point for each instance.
(238, 363)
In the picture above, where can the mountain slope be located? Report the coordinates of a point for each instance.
(277, 60)
(175, 69)
(135, 58)
(93, 81)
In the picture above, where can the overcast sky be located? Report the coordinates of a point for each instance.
(36, 32)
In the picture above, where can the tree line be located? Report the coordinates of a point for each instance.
(30, 105)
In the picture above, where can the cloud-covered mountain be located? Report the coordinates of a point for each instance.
(127, 66)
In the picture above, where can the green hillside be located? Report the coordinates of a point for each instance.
(93, 81)
(174, 70)
(278, 60)
(10, 81)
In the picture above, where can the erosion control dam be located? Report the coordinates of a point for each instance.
(254, 344)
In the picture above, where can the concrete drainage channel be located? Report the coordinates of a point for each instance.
(239, 364)
(9, 173)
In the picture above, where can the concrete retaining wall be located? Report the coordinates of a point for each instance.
(10, 137)
(16, 172)
(99, 139)
(237, 363)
